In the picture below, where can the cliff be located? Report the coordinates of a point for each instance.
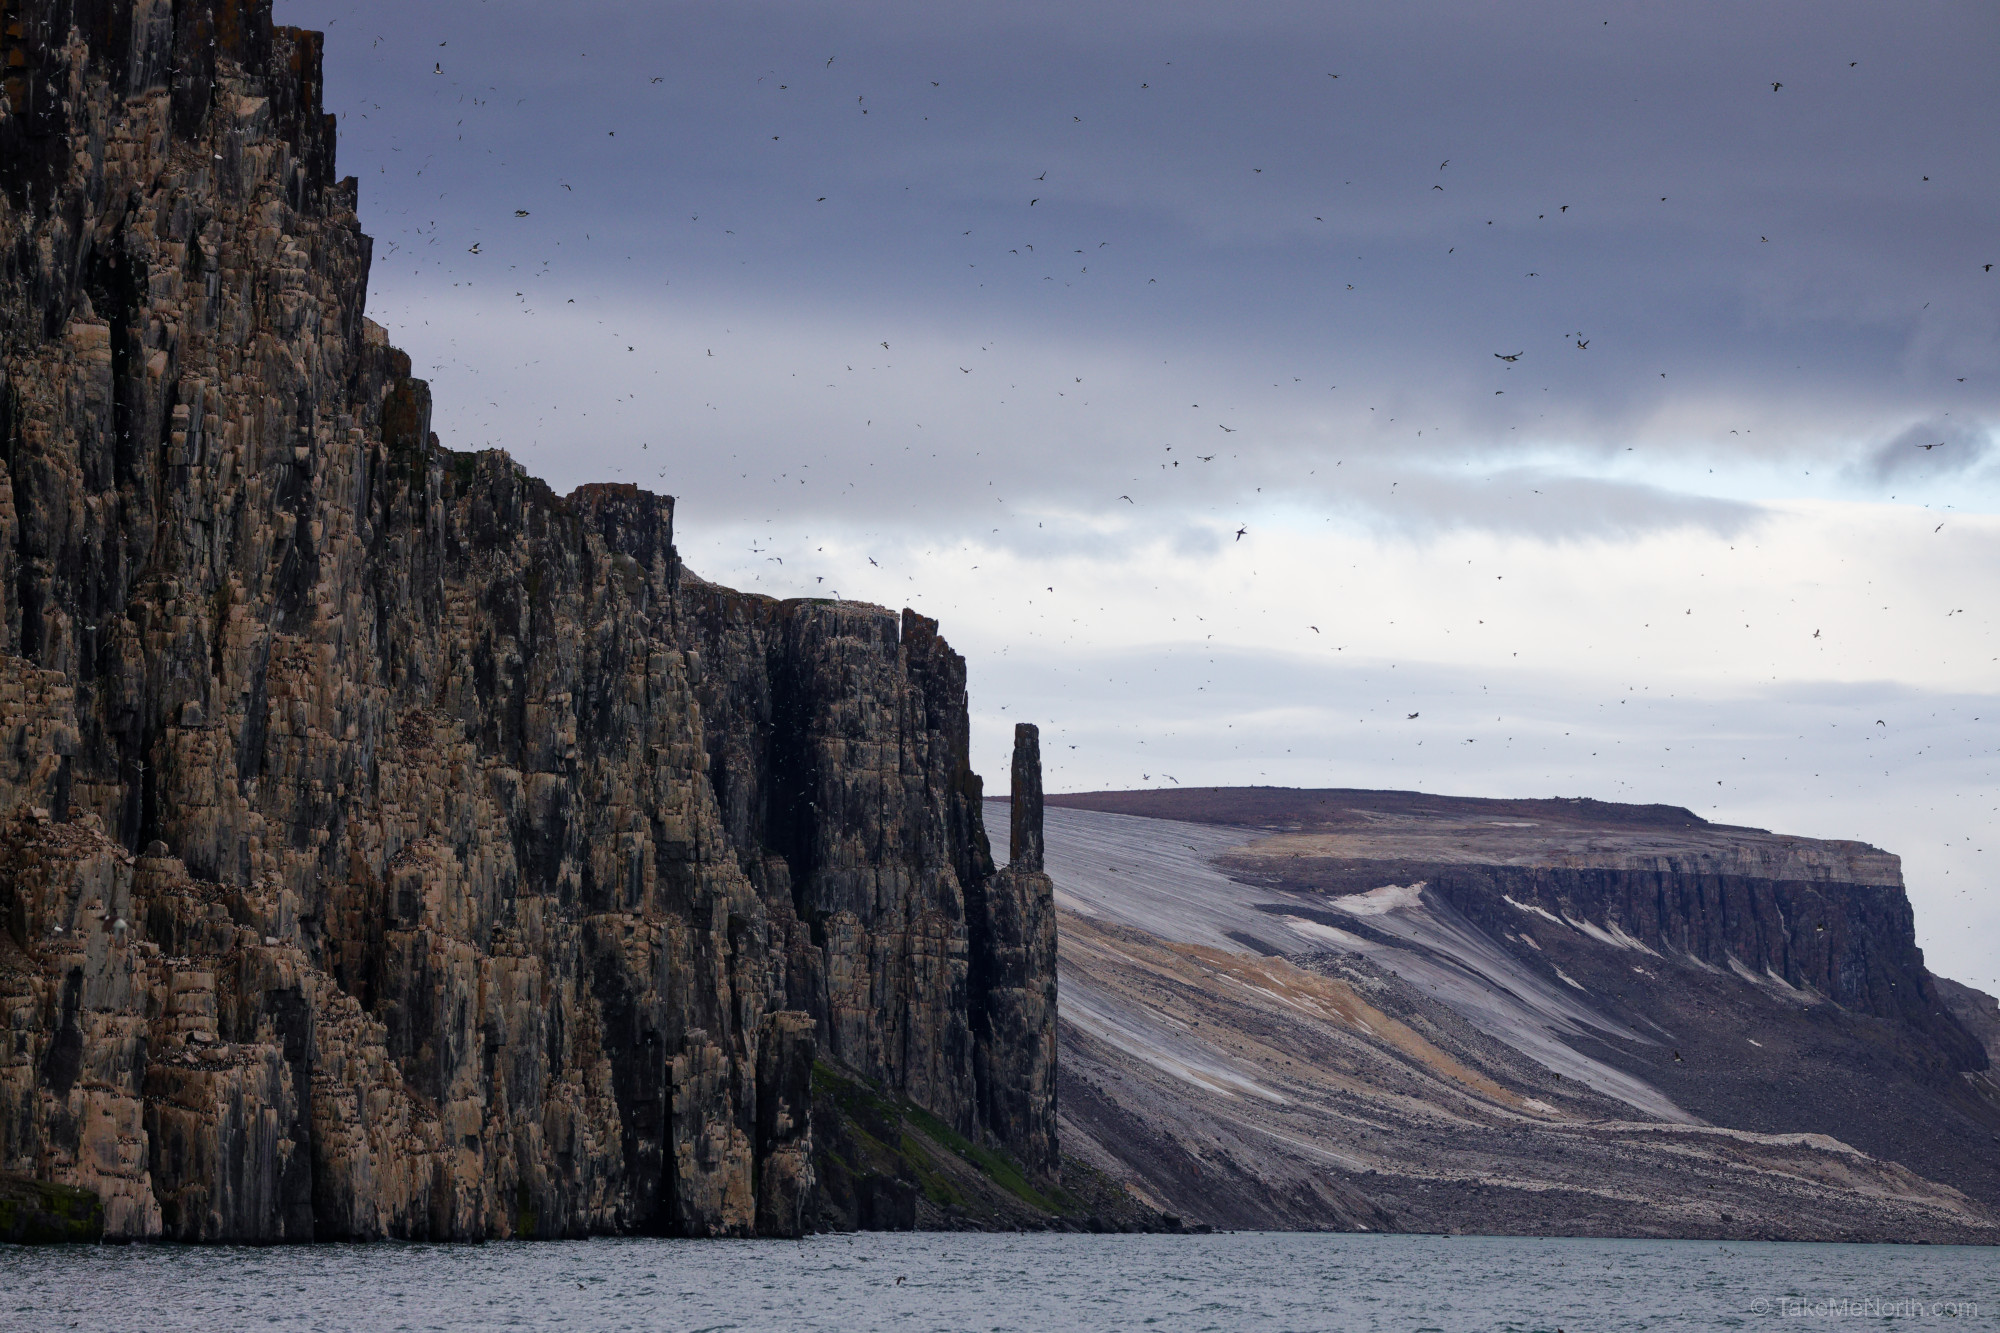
(388, 846)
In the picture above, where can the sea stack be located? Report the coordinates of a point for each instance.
(1024, 844)
(1014, 986)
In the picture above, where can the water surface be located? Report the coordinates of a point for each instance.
(1238, 1281)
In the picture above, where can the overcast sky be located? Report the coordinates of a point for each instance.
(1234, 383)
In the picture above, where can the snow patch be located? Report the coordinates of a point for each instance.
(1736, 966)
(1542, 912)
(1313, 930)
(1789, 990)
(1377, 902)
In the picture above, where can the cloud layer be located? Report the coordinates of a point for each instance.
(1235, 382)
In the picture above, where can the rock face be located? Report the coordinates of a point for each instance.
(388, 846)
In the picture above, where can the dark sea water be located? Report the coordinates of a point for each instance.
(1242, 1280)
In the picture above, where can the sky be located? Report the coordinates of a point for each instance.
(1555, 399)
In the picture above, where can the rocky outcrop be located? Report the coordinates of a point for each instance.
(1014, 978)
(35, 1212)
(1854, 944)
(388, 846)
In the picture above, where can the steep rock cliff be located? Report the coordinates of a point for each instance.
(388, 846)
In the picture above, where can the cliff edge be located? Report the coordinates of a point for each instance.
(389, 846)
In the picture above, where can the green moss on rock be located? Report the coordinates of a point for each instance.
(36, 1212)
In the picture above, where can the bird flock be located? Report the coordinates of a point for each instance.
(1022, 459)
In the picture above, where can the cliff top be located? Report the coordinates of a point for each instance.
(1307, 809)
(1415, 830)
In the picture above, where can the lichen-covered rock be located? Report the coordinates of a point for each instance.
(390, 846)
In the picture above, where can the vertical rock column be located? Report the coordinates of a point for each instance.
(1012, 924)
(1024, 832)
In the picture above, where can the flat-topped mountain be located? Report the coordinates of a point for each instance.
(1389, 1009)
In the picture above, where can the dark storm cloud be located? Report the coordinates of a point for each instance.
(1380, 198)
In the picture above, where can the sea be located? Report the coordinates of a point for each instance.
(990, 1283)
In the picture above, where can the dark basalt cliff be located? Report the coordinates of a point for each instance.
(388, 846)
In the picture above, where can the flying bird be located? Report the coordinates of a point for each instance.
(1774, 88)
(1128, 499)
(1411, 718)
(1240, 533)
(1224, 429)
(871, 559)
(1583, 344)
(1504, 357)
